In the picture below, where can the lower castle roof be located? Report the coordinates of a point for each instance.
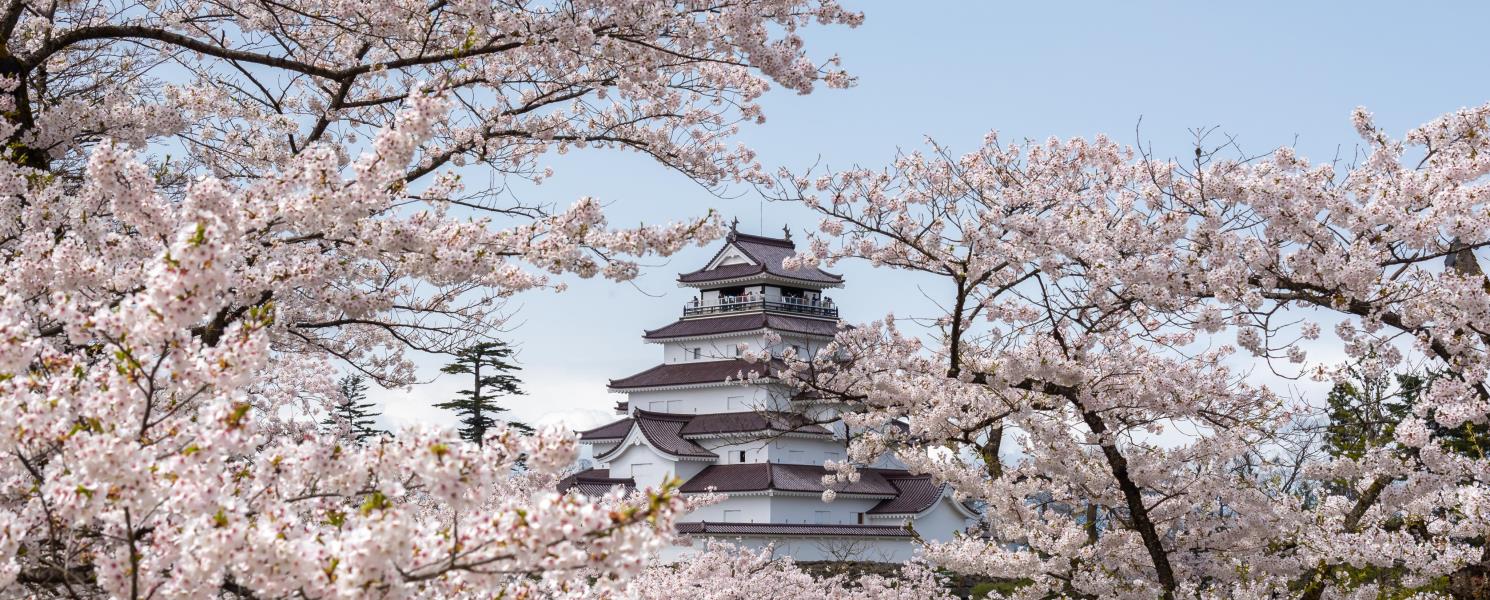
(909, 493)
(664, 432)
(673, 433)
(760, 477)
(694, 373)
(906, 494)
(748, 322)
(751, 422)
(594, 482)
(913, 494)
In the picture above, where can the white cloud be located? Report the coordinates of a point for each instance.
(403, 408)
(576, 419)
(554, 396)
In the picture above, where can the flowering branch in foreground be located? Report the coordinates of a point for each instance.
(208, 208)
(1077, 384)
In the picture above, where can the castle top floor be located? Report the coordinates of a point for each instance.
(747, 274)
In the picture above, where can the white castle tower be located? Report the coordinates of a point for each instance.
(691, 417)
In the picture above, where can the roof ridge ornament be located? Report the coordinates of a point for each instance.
(786, 231)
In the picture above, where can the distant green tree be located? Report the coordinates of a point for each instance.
(352, 416)
(490, 367)
(1364, 413)
(1365, 410)
(1468, 439)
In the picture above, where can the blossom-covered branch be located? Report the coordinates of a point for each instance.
(1119, 450)
(208, 209)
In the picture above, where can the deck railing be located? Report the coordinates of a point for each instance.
(816, 309)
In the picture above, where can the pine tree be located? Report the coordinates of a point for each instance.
(489, 365)
(352, 416)
(1366, 408)
(1365, 411)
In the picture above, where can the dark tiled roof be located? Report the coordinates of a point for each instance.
(715, 371)
(773, 529)
(669, 428)
(663, 431)
(756, 477)
(722, 272)
(608, 431)
(749, 422)
(594, 482)
(916, 494)
(768, 254)
(751, 322)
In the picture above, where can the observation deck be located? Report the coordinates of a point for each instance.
(753, 303)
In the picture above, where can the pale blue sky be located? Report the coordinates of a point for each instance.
(1269, 73)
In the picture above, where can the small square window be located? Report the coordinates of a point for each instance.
(742, 456)
(697, 352)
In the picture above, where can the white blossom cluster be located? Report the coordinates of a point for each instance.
(1081, 389)
(208, 208)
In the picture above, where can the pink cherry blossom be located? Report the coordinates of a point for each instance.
(1080, 384)
(210, 208)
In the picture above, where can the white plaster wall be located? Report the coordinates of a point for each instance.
(879, 550)
(726, 398)
(595, 450)
(942, 522)
(727, 347)
(738, 509)
(785, 509)
(805, 347)
(805, 509)
(774, 449)
(729, 450)
(722, 348)
(643, 464)
(803, 451)
(686, 469)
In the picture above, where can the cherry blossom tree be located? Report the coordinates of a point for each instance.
(1112, 373)
(210, 208)
(721, 571)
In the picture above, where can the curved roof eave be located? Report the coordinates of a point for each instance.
(638, 435)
